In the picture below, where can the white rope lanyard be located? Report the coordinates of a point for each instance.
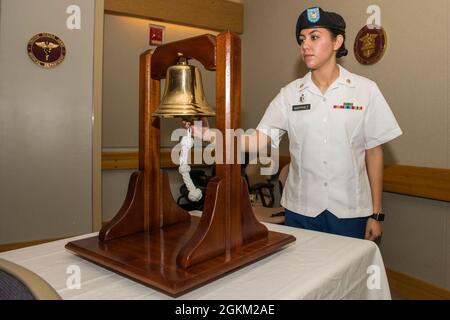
(195, 194)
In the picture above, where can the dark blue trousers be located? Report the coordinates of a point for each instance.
(328, 222)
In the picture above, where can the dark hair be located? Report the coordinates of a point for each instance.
(342, 51)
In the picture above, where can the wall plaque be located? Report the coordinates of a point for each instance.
(46, 50)
(370, 44)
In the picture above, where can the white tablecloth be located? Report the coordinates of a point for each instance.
(316, 266)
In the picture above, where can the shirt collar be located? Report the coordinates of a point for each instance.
(345, 78)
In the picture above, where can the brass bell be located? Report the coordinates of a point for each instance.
(183, 93)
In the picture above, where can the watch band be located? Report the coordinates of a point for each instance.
(378, 216)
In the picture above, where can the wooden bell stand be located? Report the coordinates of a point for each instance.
(151, 239)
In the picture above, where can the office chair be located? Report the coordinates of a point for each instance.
(259, 186)
(19, 283)
(268, 214)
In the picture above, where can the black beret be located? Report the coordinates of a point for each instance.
(316, 17)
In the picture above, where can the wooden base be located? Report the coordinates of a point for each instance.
(151, 258)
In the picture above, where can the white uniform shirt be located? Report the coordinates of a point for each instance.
(328, 136)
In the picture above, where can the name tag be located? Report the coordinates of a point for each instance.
(301, 107)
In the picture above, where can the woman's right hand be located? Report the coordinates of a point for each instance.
(186, 124)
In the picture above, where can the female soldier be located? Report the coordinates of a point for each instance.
(337, 122)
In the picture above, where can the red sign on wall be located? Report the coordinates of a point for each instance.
(156, 35)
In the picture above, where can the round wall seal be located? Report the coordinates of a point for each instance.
(46, 50)
(370, 44)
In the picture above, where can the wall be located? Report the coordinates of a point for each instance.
(45, 124)
(125, 38)
(413, 75)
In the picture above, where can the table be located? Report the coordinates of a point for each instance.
(316, 266)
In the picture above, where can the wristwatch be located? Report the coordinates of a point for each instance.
(378, 216)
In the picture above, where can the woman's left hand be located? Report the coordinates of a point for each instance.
(373, 230)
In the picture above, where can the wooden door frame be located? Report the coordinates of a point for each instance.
(97, 117)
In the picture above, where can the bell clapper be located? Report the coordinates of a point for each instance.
(195, 194)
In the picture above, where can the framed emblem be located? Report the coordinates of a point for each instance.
(370, 45)
(46, 50)
(156, 35)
